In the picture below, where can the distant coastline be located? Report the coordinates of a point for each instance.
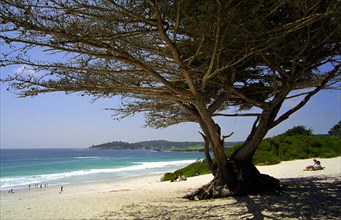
(156, 145)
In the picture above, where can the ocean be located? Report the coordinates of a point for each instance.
(23, 167)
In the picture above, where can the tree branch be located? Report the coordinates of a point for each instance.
(173, 49)
(215, 47)
(237, 115)
(332, 74)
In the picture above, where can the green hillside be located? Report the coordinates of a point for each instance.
(144, 145)
(276, 149)
(155, 145)
(284, 148)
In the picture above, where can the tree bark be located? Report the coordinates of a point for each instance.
(211, 165)
(238, 176)
(238, 179)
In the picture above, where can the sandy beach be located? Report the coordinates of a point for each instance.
(307, 195)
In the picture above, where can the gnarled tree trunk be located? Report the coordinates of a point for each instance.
(237, 176)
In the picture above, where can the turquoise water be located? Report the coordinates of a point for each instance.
(22, 167)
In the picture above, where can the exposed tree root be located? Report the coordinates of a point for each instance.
(210, 191)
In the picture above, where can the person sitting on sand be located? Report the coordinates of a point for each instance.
(178, 179)
(182, 177)
(315, 166)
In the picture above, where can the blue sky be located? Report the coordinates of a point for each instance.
(59, 120)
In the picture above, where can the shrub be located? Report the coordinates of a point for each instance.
(298, 130)
(274, 150)
(191, 170)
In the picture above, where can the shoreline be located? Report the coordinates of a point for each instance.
(148, 197)
(113, 180)
(68, 166)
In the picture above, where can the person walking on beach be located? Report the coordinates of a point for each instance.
(61, 189)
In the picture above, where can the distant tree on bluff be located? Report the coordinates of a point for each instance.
(335, 130)
(298, 130)
(182, 61)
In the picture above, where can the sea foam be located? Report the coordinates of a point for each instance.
(88, 175)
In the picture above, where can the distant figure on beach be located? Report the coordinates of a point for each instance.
(181, 177)
(61, 189)
(315, 166)
(11, 191)
(29, 187)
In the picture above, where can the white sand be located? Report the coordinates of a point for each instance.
(148, 198)
(293, 169)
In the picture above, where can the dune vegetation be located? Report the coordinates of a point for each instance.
(273, 150)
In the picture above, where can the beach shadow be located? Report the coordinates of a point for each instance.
(302, 198)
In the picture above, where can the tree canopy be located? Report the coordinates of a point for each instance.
(161, 56)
